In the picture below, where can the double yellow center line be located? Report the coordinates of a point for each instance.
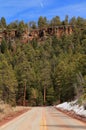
(43, 125)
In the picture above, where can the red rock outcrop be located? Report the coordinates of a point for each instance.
(38, 34)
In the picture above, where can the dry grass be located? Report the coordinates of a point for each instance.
(6, 110)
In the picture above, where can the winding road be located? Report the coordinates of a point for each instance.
(44, 118)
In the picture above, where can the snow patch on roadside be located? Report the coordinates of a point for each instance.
(73, 106)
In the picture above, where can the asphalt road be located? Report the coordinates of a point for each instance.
(44, 118)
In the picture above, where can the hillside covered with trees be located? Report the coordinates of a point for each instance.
(48, 72)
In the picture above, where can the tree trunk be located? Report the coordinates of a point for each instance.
(24, 100)
(44, 95)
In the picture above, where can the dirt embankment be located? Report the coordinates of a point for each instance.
(73, 115)
(7, 113)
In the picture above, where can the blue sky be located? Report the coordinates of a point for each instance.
(31, 10)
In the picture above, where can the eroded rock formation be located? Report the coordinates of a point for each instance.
(38, 34)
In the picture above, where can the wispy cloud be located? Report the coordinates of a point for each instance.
(41, 3)
(71, 10)
(32, 9)
(11, 7)
(19, 3)
(23, 3)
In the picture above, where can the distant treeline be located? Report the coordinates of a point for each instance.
(43, 22)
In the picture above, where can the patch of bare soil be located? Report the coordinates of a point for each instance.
(15, 112)
(73, 115)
